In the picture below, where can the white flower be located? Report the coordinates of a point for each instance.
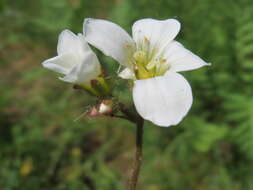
(75, 59)
(152, 59)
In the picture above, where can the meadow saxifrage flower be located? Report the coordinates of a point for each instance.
(152, 58)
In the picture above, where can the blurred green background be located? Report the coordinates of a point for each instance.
(42, 147)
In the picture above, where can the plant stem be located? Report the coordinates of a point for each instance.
(138, 155)
(132, 116)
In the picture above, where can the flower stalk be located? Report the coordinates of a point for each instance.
(133, 180)
(134, 117)
(96, 87)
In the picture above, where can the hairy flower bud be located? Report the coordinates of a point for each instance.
(105, 107)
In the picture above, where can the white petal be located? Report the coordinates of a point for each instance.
(181, 59)
(157, 32)
(127, 74)
(68, 42)
(110, 38)
(163, 100)
(85, 71)
(61, 64)
(75, 60)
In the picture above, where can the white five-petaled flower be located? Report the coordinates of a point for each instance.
(75, 59)
(152, 59)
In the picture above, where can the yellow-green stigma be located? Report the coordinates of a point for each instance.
(146, 67)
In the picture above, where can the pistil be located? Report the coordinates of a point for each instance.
(148, 68)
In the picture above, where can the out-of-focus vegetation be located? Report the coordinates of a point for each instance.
(42, 147)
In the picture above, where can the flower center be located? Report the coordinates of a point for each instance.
(148, 66)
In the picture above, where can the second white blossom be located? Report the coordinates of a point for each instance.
(75, 59)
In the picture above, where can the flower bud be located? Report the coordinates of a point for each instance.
(105, 107)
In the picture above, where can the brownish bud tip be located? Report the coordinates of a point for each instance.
(105, 107)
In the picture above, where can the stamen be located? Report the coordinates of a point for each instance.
(152, 64)
(147, 64)
(128, 46)
(146, 39)
(162, 60)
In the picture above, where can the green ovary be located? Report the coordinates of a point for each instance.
(148, 68)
